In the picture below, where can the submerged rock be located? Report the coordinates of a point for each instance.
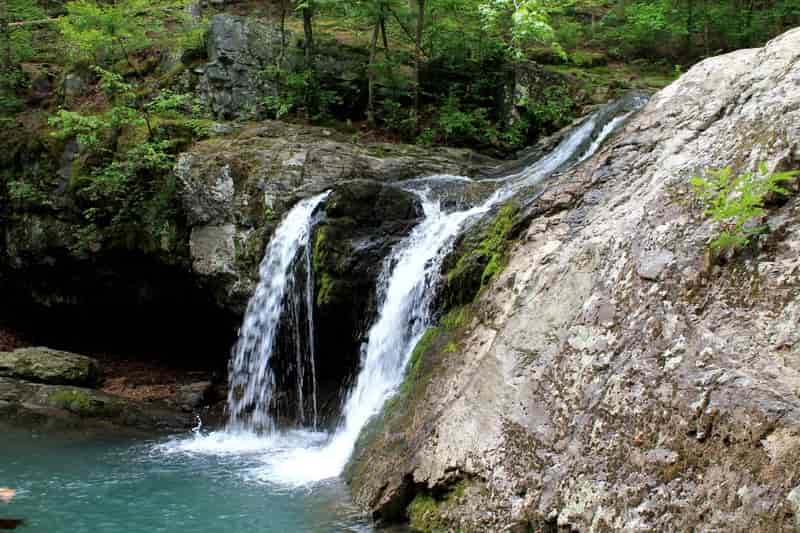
(611, 379)
(53, 367)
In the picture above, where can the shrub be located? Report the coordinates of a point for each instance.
(736, 202)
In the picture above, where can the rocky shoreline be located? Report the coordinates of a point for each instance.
(57, 390)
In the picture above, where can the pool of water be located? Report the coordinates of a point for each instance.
(188, 483)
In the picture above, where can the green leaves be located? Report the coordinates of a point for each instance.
(524, 21)
(737, 202)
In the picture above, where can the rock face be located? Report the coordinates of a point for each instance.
(611, 378)
(235, 191)
(239, 50)
(243, 53)
(53, 367)
(362, 222)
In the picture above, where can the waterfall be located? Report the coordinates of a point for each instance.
(251, 379)
(407, 287)
(406, 290)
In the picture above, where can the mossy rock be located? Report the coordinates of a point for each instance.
(479, 255)
(44, 365)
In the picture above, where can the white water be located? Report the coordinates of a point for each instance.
(251, 379)
(406, 287)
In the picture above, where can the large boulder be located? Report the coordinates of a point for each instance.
(611, 377)
(239, 50)
(235, 190)
(44, 365)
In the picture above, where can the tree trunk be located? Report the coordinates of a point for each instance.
(5, 29)
(383, 32)
(308, 33)
(418, 59)
(371, 72)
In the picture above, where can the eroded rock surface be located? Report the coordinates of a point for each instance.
(611, 378)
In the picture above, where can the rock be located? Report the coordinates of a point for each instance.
(585, 396)
(363, 220)
(74, 86)
(652, 264)
(239, 50)
(235, 191)
(794, 501)
(53, 367)
(192, 396)
(64, 407)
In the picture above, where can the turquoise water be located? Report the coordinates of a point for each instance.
(184, 484)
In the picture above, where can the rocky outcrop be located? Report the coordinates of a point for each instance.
(45, 387)
(53, 367)
(362, 222)
(236, 189)
(249, 58)
(239, 50)
(611, 377)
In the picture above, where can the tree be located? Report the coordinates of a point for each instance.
(519, 22)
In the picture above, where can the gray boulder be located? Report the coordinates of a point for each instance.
(44, 365)
(239, 50)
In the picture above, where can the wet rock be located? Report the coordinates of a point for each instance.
(585, 396)
(23, 403)
(361, 222)
(194, 395)
(53, 367)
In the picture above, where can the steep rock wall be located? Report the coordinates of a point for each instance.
(612, 378)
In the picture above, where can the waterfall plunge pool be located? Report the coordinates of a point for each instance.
(214, 483)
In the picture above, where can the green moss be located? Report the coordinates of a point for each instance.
(84, 403)
(456, 318)
(423, 512)
(483, 260)
(415, 365)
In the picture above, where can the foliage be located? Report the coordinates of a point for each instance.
(298, 92)
(553, 107)
(520, 21)
(736, 202)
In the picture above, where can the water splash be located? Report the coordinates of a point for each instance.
(251, 379)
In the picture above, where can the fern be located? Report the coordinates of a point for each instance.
(736, 202)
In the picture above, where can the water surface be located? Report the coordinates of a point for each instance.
(92, 484)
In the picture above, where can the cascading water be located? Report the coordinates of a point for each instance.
(251, 379)
(406, 289)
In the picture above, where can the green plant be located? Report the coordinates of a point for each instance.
(736, 202)
(552, 108)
